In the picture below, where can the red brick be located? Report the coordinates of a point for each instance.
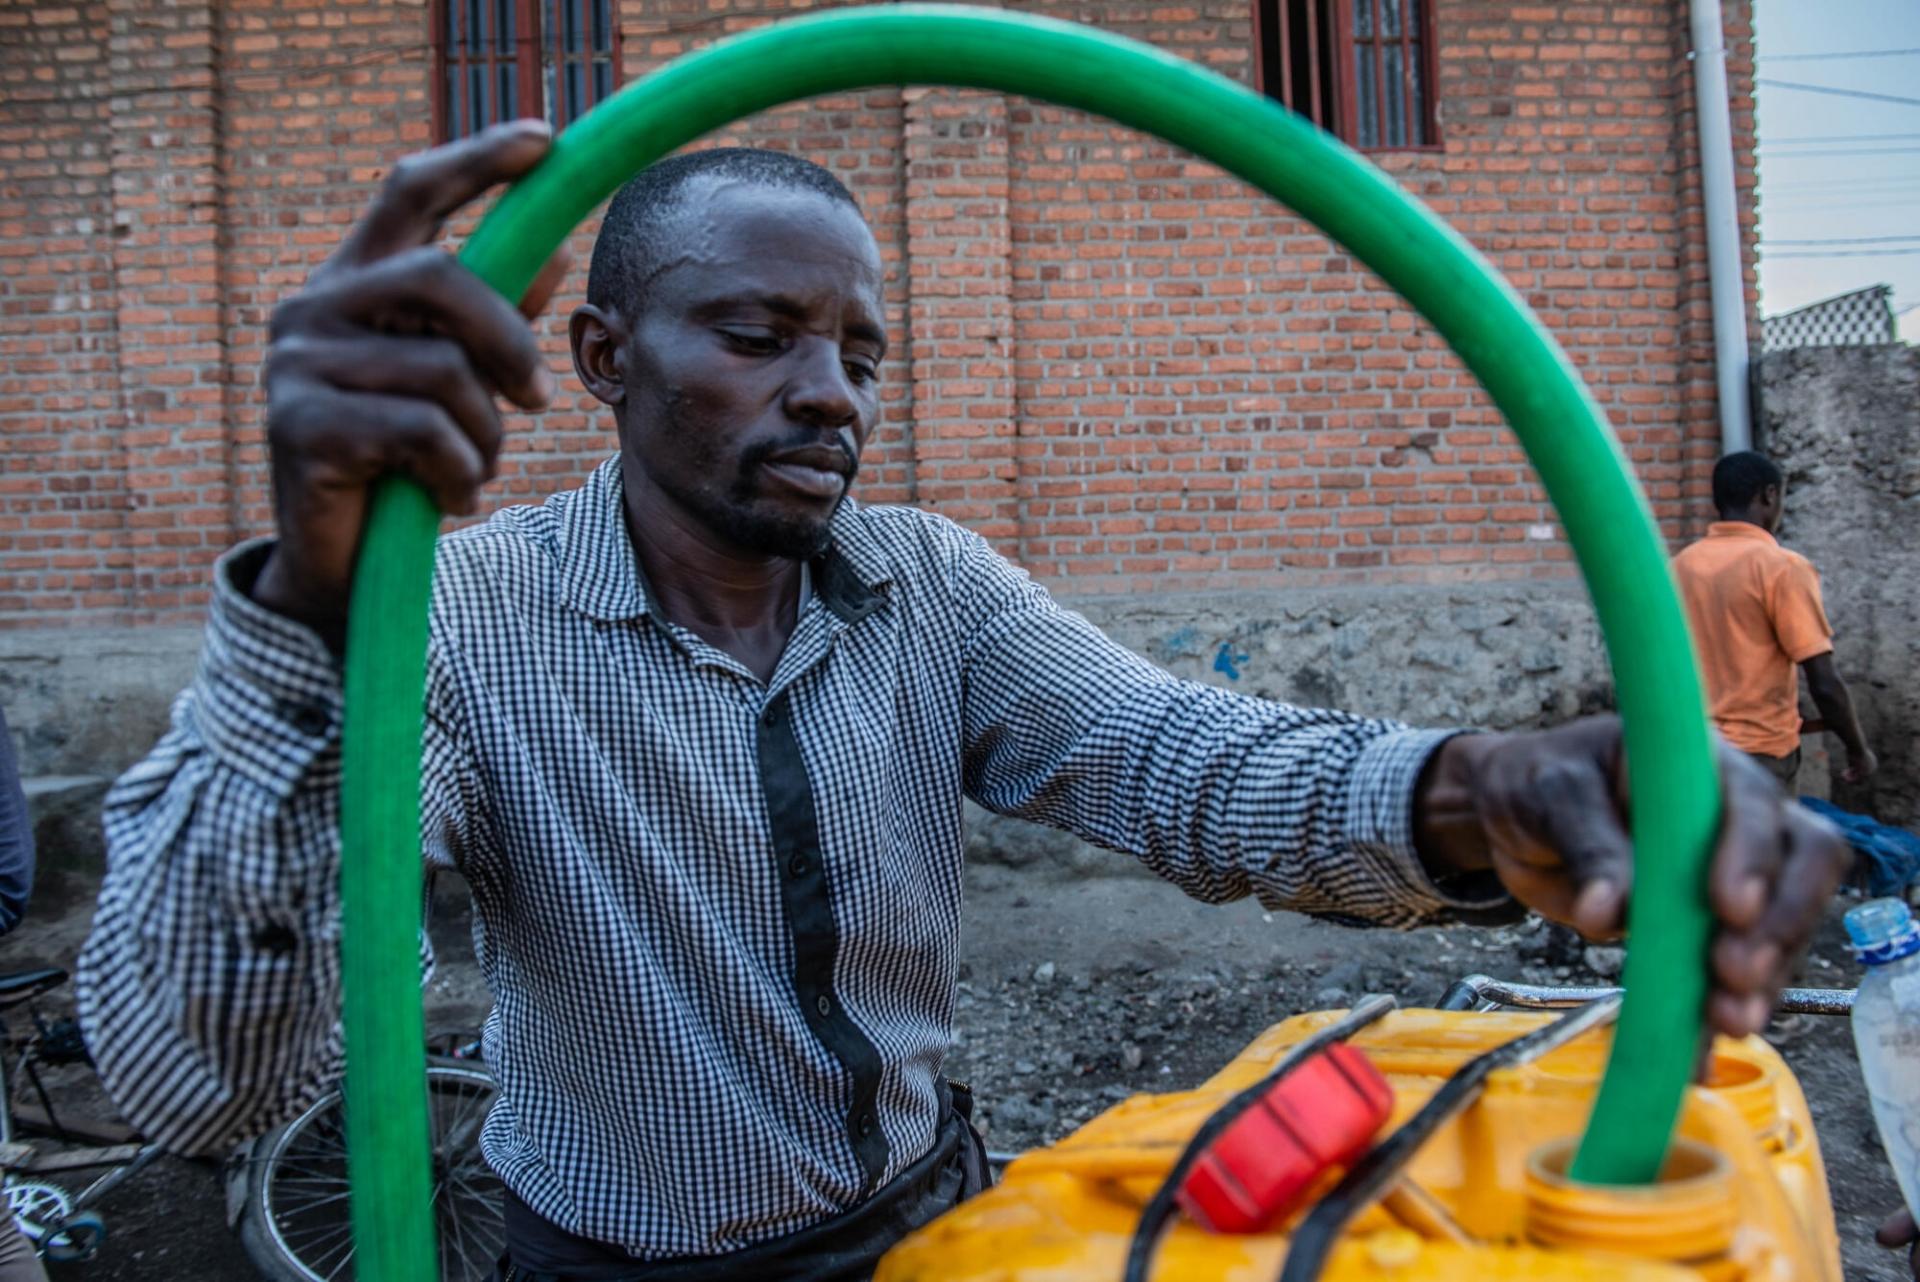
(1129, 370)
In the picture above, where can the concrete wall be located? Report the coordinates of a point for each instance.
(83, 705)
(1844, 424)
(1498, 656)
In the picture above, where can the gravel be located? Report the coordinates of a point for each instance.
(1076, 994)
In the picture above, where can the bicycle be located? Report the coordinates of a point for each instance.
(287, 1189)
(56, 1221)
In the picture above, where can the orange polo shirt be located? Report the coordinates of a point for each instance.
(1756, 614)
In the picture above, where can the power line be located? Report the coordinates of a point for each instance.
(1845, 253)
(1846, 240)
(1872, 182)
(1814, 138)
(1767, 152)
(1838, 93)
(1809, 203)
(1849, 53)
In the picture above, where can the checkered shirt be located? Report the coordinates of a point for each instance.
(720, 918)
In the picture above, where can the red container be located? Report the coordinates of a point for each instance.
(1324, 1114)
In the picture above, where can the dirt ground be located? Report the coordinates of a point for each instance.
(1073, 997)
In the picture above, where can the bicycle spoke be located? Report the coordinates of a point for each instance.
(310, 1205)
(325, 1235)
(345, 1260)
(306, 1195)
(453, 1242)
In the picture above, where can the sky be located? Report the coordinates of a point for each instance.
(1815, 182)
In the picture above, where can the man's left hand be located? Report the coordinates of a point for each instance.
(1899, 1231)
(1546, 812)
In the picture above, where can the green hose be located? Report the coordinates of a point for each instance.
(1673, 776)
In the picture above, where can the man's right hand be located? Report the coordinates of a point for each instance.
(1860, 766)
(388, 360)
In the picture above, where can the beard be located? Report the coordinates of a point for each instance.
(758, 524)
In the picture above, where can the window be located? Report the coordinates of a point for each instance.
(498, 60)
(1362, 69)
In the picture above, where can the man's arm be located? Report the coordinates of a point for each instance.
(1323, 810)
(1222, 794)
(209, 986)
(1799, 616)
(1830, 695)
(16, 837)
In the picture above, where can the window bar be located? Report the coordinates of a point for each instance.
(1409, 11)
(1430, 82)
(1377, 53)
(1347, 113)
(553, 56)
(568, 25)
(1289, 36)
(442, 84)
(526, 57)
(500, 62)
(1313, 62)
(1277, 9)
(605, 61)
(457, 70)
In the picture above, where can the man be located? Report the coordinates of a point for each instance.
(1756, 614)
(19, 1262)
(698, 736)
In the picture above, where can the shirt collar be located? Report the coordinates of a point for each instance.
(601, 578)
(1738, 530)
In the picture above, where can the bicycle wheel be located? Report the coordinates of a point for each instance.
(295, 1226)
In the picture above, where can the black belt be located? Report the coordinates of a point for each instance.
(845, 1248)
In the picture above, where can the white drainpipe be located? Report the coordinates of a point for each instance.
(1723, 225)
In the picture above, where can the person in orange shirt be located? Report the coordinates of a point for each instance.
(1757, 614)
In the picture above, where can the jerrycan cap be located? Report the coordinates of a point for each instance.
(1882, 930)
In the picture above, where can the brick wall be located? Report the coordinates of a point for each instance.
(1126, 368)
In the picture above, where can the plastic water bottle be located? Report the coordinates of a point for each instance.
(1886, 1031)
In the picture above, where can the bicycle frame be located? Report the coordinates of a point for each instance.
(23, 1159)
(1483, 992)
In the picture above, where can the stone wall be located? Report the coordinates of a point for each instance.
(1495, 655)
(1844, 424)
(83, 705)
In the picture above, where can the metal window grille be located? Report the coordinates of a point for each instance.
(1392, 105)
(579, 57)
(1863, 318)
(1363, 69)
(499, 60)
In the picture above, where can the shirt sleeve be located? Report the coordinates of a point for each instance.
(1222, 794)
(209, 986)
(1799, 616)
(16, 837)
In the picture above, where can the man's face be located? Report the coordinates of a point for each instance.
(752, 368)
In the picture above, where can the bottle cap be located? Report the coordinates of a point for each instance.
(1882, 930)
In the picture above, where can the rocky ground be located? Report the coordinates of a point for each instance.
(1075, 995)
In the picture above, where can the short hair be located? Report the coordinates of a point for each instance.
(1739, 478)
(628, 250)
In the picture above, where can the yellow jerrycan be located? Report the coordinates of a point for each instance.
(1483, 1198)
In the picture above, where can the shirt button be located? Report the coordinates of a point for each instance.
(798, 865)
(866, 1125)
(824, 1004)
(310, 719)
